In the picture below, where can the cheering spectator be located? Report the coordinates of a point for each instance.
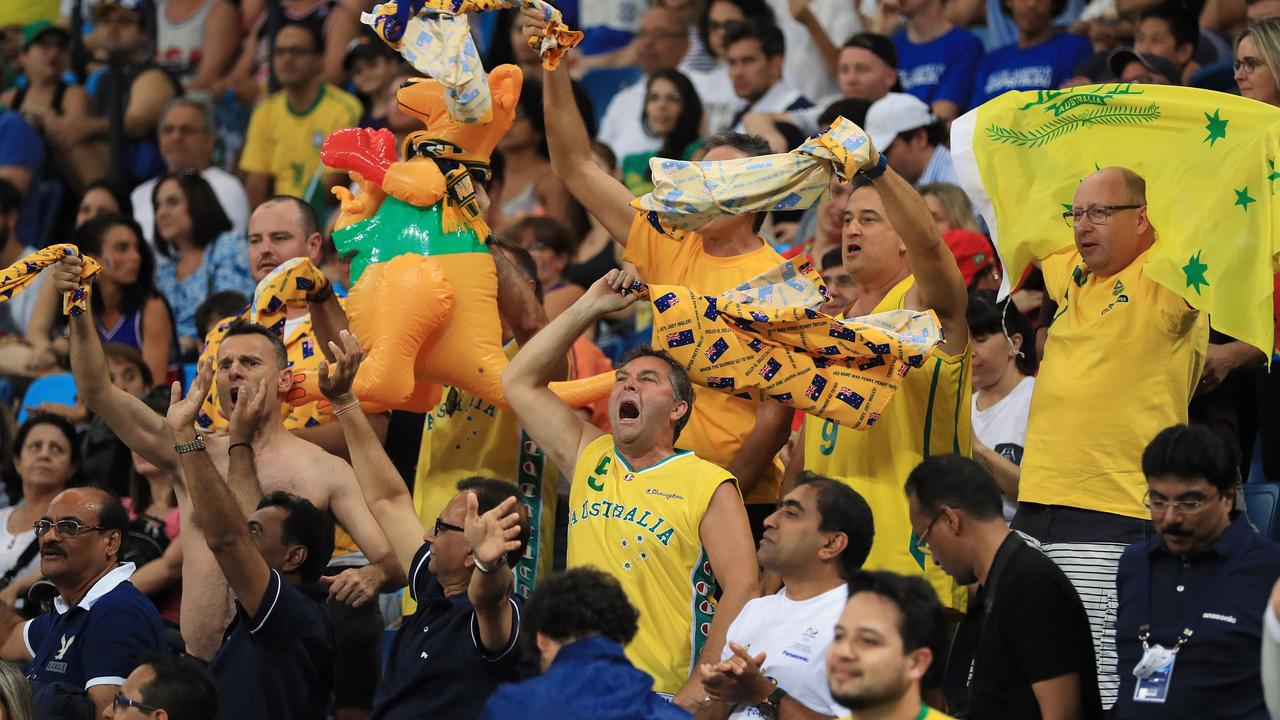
(204, 255)
(129, 309)
(46, 457)
(755, 53)
(549, 244)
(21, 157)
(1169, 31)
(582, 619)
(1081, 486)
(1004, 366)
(815, 542)
(281, 153)
(142, 88)
(106, 197)
(463, 639)
(79, 658)
(197, 40)
(913, 140)
(529, 188)
(179, 687)
(661, 43)
(1042, 59)
(187, 135)
(888, 635)
(15, 315)
(1024, 648)
(673, 113)
(1207, 573)
(950, 207)
(649, 405)
(937, 61)
(277, 657)
(839, 284)
(372, 64)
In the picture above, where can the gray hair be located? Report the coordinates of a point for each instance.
(198, 103)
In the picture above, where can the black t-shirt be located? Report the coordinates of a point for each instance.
(279, 663)
(1026, 625)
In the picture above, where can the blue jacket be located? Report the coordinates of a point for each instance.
(590, 678)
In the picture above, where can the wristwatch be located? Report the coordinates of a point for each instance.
(875, 171)
(772, 705)
(193, 446)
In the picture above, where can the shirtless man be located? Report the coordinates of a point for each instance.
(248, 355)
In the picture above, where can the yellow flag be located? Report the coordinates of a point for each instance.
(1210, 162)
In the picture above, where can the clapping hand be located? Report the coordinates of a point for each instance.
(494, 534)
(183, 410)
(737, 680)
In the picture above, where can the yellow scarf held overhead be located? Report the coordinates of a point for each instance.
(1210, 165)
(764, 340)
(291, 284)
(19, 276)
(688, 195)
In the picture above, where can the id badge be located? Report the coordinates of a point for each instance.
(1153, 682)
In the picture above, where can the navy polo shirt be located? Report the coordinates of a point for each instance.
(278, 663)
(438, 667)
(97, 642)
(1217, 671)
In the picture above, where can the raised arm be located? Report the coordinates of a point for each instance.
(939, 284)
(599, 192)
(491, 536)
(385, 492)
(218, 513)
(137, 426)
(553, 425)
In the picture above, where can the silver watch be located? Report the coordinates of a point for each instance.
(193, 446)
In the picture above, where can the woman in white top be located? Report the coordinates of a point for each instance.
(46, 456)
(1004, 359)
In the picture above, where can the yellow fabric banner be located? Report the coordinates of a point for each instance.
(18, 276)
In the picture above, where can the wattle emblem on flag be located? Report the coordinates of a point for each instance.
(1209, 161)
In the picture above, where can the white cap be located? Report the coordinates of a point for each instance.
(893, 114)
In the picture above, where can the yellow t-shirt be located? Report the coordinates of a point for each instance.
(928, 416)
(25, 13)
(643, 527)
(1122, 359)
(286, 145)
(720, 422)
(926, 713)
(466, 436)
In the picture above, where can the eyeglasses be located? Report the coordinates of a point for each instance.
(922, 542)
(442, 526)
(1159, 505)
(1098, 214)
(123, 702)
(66, 528)
(1248, 64)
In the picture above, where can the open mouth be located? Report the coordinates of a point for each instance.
(628, 411)
(234, 394)
(852, 248)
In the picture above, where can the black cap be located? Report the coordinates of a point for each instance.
(879, 45)
(1120, 58)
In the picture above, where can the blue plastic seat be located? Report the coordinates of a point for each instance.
(58, 388)
(1262, 501)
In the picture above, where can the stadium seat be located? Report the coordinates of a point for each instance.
(1262, 501)
(59, 388)
(602, 84)
(189, 371)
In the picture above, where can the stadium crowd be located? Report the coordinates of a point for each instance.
(1049, 518)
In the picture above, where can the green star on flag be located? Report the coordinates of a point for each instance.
(1217, 128)
(1274, 176)
(1243, 199)
(1194, 270)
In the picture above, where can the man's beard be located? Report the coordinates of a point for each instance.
(872, 697)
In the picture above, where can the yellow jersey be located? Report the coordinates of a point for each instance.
(642, 526)
(926, 713)
(465, 436)
(1121, 362)
(928, 416)
(720, 422)
(25, 13)
(286, 145)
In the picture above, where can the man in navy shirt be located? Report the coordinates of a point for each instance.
(462, 641)
(1042, 59)
(936, 60)
(100, 624)
(1191, 599)
(276, 660)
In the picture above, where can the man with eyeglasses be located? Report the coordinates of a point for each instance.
(166, 688)
(1024, 650)
(80, 652)
(1121, 362)
(1191, 602)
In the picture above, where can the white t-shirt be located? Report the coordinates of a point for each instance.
(794, 637)
(1003, 426)
(719, 103)
(11, 546)
(803, 67)
(226, 187)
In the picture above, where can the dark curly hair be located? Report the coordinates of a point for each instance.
(580, 602)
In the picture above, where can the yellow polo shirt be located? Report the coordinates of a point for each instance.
(286, 144)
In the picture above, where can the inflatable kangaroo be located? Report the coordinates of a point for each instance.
(424, 298)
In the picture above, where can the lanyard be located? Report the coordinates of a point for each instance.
(1188, 629)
